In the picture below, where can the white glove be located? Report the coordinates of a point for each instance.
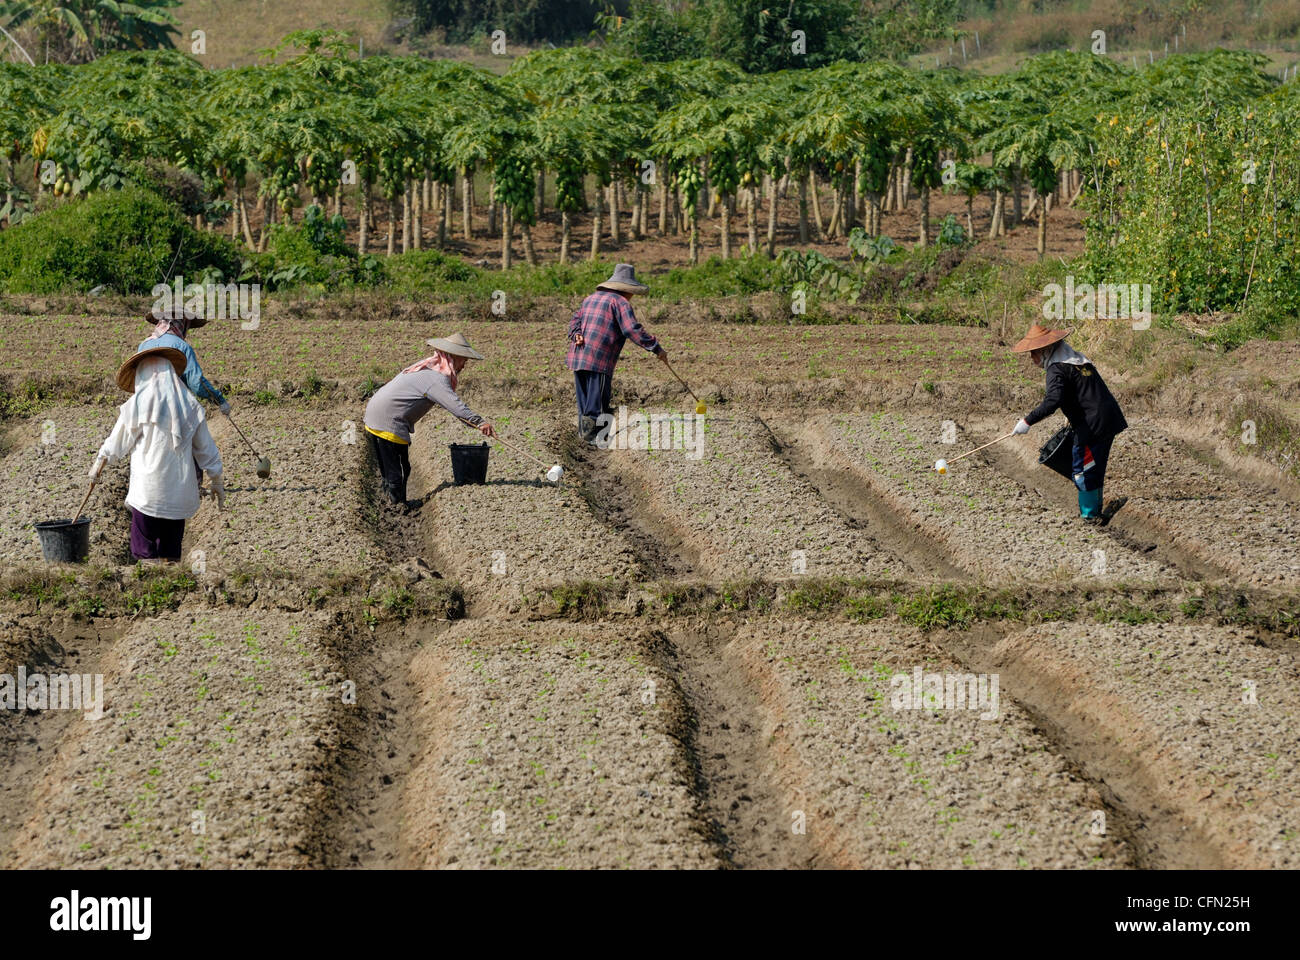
(224, 407)
(97, 467)
(219, 491)
(1021, 426)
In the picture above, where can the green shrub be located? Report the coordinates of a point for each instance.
(128, 240)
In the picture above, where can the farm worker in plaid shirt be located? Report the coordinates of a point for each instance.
(596, 335)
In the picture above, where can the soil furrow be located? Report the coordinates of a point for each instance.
(749, 813)
(1159, 836)
(380, 739)
(857, 502)
(663, 549)
(1184, 725)
(31, 740)
(1130, 526)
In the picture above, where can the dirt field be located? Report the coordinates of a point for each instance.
(800, 649)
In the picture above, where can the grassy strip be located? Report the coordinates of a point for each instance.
(88, 592)
(942, 607)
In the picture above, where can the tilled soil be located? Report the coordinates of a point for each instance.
(876, 783)
(739, 509)
(990, 524)
(44, 476)
(748, 738)
(1199, 721)
(307, 516)
(553, 745)
(215, 749)
(518, 532)
(1232, 525)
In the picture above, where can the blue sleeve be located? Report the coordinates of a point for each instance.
(194, 379)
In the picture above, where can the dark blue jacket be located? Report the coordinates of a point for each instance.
(1080, 393)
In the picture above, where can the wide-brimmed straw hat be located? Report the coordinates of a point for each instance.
(1039, 337)
(456, 345)
(193, 319)
(126, 375)
(624, 280)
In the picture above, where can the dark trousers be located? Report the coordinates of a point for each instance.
(1090, 479)
(394, 461)
(593, 391)
(153, 538)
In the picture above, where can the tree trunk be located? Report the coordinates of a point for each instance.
(406, 216)
(540, 204)
(530, 251)
(995, 215)
(391, 218)
(448, 201)
(436, 210)
(566, 231)
(970, 216)
(363, 245)
(803, 209)
(467, 201)
(417, 221)
(816, 206)
(247, 227)
(695, 236)
(492, 206)
(924, 239)
(338, 200)
(663, 206)
(507, 255)
(1042, 231)
(832, 231)
(708, 192)
(774, 201)
(595, 225)
(615, 238)
(1017, 207)
(638, 210)
(906, 190)
(268, 218)
(726, 229)
(753, 220)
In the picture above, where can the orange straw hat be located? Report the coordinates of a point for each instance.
(126, 375)
(1039, 337)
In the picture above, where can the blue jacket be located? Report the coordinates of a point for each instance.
(193, 378)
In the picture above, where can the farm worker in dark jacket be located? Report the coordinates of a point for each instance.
(163, 429)
(596, 336)
(1075, 388)
(393, 410)
(170, 328)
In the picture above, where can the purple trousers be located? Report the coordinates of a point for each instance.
(154, 538)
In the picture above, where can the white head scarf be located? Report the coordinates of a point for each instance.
(163, 401)
(1062, 352)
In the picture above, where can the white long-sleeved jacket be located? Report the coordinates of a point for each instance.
(163, 481)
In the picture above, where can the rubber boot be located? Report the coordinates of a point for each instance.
(1090, 504)
(587, 428)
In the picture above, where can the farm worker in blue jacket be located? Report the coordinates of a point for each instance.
(1075, 388)
(170, 329)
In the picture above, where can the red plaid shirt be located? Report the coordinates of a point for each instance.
(605, 321)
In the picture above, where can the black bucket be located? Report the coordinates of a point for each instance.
(1058, 452)
(63, 541)
(469, 462)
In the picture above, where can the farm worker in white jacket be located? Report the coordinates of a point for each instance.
(163, 429)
